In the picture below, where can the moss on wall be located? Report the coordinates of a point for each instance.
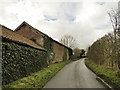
(19, 60)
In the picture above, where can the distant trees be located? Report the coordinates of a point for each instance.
(69, 41)
(78, 53)
(82, 54)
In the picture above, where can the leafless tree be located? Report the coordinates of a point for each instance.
(114, 17)
(115, 21)
(69, 41)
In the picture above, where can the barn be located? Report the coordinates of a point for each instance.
(56, 51)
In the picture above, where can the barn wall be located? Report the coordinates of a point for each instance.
(58, 49)
(67, 54)
(59, 52)
(29, 33)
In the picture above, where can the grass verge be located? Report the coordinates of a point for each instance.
(107, 74)
(38, 79)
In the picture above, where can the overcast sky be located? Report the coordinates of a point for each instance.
(85, 20)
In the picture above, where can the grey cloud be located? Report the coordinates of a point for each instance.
(65, 18)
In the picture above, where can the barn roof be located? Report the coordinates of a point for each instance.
(10, 34)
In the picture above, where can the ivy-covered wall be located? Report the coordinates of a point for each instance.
(48, 44)
(70, 53)
(19, 60)
(65, 54)
(54, 48)
(56, 52)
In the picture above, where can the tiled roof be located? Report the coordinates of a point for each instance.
(7, 33)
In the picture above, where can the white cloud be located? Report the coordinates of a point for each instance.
(86, 21)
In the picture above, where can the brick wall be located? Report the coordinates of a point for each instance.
(59, 51)
(29, 33)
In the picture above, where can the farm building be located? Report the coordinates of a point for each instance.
(27, 50)
(20, 56)
(56, 51)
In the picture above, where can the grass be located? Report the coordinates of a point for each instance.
(110, 76)
(38, 79)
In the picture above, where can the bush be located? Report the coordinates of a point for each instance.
(118, 73)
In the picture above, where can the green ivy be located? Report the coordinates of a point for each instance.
(48, 44)
(19, 61)
(65, 54)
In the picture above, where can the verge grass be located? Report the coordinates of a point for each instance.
(38, 79)
(107, 74)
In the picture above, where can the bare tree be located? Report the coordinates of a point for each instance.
(114, 16)
(69, 41)
(115, 21)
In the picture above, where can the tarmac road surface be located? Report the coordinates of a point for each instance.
(74, 75)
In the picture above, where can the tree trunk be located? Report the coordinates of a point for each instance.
(118, 53)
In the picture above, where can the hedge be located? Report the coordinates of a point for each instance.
(19, 60)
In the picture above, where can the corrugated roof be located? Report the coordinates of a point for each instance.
(8, 33)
